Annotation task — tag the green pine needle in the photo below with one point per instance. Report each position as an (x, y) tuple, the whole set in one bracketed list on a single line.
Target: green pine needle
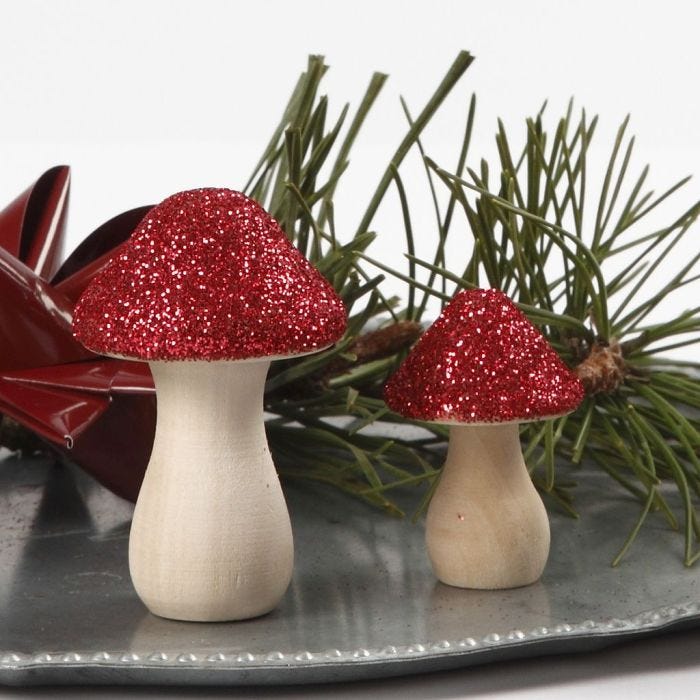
[(537, 231)]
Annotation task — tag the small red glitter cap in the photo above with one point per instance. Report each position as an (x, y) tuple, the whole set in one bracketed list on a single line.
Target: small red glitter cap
[(482, 361), (208, 275)]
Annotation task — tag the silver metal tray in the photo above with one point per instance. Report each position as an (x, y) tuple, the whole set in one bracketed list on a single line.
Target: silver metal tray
[(363, 602)]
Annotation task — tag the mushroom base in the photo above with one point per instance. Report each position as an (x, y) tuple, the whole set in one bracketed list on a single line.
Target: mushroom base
[(486, 526), (211, 538)]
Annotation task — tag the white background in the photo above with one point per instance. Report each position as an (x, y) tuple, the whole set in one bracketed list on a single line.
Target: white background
[(146, 98)]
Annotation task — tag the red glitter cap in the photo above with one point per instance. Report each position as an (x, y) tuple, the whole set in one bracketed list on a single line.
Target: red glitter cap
[(208, 275), (482, 361)]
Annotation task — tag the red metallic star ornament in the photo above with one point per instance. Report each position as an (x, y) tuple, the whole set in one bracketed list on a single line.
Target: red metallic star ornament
[(97, 411)]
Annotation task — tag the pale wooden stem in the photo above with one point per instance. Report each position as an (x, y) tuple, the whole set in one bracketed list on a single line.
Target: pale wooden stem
[(486, 525), (210, 538)]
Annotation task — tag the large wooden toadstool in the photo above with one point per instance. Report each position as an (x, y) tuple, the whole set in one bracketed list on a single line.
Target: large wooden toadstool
[(208, 290), (483, 368)]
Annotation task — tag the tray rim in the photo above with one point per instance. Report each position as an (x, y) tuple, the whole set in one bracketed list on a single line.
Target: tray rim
[(274, 667)]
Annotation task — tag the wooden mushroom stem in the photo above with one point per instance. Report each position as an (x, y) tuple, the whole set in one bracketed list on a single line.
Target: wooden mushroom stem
[(486, 525), (211, 537)]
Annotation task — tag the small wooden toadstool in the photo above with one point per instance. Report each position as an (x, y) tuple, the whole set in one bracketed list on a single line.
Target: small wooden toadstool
[(483, 368), (209, 290)]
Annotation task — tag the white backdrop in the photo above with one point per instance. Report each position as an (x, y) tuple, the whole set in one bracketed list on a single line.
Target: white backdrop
[(146, 98), (143, 98)]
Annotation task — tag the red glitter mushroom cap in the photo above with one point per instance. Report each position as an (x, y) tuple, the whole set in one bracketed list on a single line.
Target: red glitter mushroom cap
[(208, 275), (482, 361)]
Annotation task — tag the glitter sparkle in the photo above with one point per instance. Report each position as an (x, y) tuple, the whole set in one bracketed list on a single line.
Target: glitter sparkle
[(482, 361), (208, 274)]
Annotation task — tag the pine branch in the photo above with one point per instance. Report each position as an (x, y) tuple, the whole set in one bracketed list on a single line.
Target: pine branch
[(638, 424), (531, 225)]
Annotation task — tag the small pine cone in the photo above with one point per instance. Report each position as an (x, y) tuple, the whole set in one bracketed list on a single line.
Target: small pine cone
[(604, 370), (378, 344), (386, 341)]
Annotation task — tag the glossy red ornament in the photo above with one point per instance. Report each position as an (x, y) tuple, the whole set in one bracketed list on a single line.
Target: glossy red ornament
[(97, 411)]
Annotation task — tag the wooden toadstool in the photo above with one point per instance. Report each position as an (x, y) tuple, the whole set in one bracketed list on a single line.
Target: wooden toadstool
[(483, 368), (208, 290)]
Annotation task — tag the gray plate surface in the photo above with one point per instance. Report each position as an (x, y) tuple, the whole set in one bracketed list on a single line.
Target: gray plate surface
[(363, 602)]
